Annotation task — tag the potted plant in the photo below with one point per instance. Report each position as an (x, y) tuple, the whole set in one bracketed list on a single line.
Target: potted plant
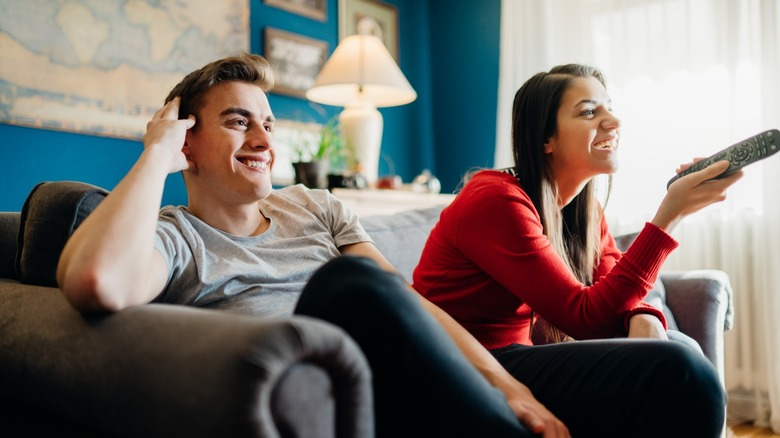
[(313, 162)]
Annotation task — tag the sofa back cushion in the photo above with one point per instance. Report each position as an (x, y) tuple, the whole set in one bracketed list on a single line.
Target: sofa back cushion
[(52, 211), (401, 236)]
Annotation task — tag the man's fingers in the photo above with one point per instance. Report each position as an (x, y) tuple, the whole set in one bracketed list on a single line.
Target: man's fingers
[(169, 111)]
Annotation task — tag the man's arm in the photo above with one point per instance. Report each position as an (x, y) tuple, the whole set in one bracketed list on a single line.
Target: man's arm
[(109, 262), (532, 413)]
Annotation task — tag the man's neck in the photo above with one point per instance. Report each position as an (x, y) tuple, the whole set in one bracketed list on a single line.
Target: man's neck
[(243, 220)]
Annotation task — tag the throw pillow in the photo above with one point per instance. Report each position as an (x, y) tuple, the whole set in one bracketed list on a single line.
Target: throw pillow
[(51, 212)]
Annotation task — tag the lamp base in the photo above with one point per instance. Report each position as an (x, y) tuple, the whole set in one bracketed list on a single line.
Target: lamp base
[(361, 126)]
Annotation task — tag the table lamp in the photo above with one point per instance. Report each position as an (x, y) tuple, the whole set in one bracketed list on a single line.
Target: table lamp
[(361, 75)]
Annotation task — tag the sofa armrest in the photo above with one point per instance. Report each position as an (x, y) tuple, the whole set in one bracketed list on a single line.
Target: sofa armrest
[(702, 304), (164, 370), (9, 230)]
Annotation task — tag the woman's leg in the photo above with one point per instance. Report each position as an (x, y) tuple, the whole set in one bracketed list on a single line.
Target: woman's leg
[(423, 385), (623, 388)]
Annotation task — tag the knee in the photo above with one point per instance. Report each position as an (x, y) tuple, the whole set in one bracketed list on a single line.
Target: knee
[(356, 282), (355, 273), (693, 382)]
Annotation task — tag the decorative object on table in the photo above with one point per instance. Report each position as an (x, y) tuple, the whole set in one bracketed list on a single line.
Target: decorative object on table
[(426, 183), (316, 9), (296, 60), (370, 17), (391, 182), (361, 76), (312, 163), (346, 180)]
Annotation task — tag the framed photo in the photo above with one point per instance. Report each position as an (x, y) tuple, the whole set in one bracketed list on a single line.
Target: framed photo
[(370, 17), (316, 9), (296, 60)]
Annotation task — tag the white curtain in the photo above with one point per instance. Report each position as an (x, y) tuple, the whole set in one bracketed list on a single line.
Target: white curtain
[(687, 78)]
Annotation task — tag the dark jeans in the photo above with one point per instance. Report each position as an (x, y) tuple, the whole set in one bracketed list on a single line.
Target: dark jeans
[(424, 387)]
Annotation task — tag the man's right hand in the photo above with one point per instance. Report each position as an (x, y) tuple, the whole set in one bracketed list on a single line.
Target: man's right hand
[(530, 411), (167, 131)]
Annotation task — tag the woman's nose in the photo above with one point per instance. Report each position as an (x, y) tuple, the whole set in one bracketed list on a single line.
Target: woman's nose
[(611, 121)]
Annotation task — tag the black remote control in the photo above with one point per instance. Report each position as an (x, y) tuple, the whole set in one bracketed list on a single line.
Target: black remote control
[(739, 155)]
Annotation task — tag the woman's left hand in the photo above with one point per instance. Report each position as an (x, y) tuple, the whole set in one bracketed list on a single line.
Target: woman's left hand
[(644, 325)]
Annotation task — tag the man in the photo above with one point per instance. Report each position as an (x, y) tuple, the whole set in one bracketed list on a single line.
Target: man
[(239, 245)]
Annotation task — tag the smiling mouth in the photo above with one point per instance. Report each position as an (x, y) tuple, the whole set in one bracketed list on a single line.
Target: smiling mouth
[(606, 145), (252, 164)]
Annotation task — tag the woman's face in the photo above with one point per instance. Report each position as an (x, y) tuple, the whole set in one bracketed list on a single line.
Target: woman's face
[(586, 141)]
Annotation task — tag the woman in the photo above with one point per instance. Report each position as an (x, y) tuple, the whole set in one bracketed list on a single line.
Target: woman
[(533, 241)]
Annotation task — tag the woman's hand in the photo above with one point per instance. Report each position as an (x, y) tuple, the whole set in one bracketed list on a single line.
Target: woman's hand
[(693, 192), (166, 131), (644, 325)]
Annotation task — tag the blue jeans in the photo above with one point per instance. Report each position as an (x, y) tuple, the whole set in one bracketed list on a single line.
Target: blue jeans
[(424, 386)]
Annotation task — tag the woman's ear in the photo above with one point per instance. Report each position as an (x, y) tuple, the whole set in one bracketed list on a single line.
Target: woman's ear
[(549, 145)]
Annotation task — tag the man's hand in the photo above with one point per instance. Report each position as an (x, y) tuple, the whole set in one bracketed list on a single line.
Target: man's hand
[(644, 325), (531, 413), (167, 131)]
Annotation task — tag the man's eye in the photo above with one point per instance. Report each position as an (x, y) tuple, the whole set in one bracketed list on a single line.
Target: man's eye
[(269, 128), (238, 122)]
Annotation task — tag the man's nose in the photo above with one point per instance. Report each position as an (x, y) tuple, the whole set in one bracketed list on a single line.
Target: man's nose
[(261, 138)]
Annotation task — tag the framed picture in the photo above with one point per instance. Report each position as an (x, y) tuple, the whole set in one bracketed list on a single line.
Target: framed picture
[(296, 60), (316, 9), (370, 17)]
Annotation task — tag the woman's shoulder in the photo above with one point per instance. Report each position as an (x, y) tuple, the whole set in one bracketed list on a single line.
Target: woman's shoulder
[(487, 184)]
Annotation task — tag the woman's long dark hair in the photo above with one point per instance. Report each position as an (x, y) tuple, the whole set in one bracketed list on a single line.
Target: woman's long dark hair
[(574, 231)]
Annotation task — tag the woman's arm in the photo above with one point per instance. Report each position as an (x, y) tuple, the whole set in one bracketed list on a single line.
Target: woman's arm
[(110, 262)]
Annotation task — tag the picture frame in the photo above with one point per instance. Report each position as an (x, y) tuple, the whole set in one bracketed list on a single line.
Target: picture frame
[(370, 17), (295, 59), (316, 9)]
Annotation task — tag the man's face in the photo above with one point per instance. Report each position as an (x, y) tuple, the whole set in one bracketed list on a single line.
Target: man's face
[(232, 144)]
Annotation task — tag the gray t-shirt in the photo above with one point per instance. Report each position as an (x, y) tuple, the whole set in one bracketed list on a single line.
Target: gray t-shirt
[(261, 275)]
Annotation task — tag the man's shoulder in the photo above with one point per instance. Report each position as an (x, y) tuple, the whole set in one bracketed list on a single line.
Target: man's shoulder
[(298, 194)]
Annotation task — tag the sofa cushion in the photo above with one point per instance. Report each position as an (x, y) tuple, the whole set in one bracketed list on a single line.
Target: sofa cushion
[(51, 212), (401, 236)]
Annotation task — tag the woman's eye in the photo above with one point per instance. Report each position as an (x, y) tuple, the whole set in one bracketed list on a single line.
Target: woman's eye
[(588, 112)]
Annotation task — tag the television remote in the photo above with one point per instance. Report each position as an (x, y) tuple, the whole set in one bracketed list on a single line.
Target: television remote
[(739, 155)]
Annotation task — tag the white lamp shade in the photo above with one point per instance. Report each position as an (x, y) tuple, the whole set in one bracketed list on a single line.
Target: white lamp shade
[(361, 69)]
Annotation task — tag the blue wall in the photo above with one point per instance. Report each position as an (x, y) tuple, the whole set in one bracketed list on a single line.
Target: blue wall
[(465, 40), (448, 51)]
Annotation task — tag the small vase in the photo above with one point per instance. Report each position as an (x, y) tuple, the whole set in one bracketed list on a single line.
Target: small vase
[(312, 174)]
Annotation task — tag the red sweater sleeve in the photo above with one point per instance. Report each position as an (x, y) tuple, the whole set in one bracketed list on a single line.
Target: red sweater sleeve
[(488, 262)]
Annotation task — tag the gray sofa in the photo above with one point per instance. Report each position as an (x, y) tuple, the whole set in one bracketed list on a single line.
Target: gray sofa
[(165, 370)]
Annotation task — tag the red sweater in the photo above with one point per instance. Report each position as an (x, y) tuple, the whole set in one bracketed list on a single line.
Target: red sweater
[(487, 263)]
